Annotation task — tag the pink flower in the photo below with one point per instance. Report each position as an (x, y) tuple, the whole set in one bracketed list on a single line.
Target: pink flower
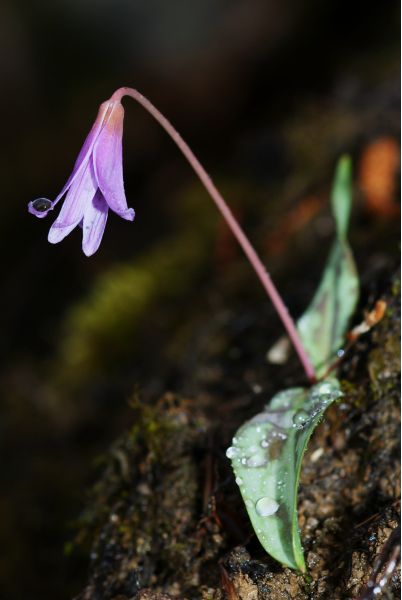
[(94, 186)]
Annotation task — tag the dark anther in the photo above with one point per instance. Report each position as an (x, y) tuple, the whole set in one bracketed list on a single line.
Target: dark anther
[(42, 204)]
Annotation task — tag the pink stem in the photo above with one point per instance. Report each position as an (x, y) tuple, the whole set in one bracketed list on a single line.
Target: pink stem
[(237, 231)]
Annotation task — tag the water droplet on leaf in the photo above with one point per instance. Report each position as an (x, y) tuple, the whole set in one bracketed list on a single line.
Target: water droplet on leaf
[(232, 452), (300, 419), (266, 506), (325, 388), (258, 460)]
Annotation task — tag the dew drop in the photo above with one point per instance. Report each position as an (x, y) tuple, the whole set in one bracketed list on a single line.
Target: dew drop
[(258, 460), (279, 434), (300, 419), (325, 388), (42, 204), (232, 452), (239, 480), (266, 506)]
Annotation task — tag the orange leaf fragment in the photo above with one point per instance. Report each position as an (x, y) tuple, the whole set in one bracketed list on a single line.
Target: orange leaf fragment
[(378, 174)]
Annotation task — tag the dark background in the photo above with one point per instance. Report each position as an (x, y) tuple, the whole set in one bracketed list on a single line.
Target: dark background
[(268, 93)]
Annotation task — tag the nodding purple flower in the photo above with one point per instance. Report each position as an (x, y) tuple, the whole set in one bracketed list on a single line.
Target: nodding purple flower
[(94, 186)]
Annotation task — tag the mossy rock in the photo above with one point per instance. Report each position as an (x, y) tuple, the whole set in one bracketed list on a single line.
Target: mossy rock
[(166, 521)]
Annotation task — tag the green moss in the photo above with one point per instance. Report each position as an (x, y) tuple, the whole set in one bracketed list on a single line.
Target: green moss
[(353, 394), (396, 287), (145, 504), (110, 317)]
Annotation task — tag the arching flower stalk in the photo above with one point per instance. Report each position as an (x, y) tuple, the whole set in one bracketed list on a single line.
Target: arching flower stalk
[(96, 184)]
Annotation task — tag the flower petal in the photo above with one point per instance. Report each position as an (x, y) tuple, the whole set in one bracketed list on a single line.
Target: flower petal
[(80, 194), (87, 148), (95, 217), (108, 163)]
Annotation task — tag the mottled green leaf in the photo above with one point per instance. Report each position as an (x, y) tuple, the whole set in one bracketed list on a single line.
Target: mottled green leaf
[(266, 457), (323, 326), (267, 451)]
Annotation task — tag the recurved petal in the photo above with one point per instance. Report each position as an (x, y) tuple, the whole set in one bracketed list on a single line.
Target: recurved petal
[(108, 162), (93, 226), (80, 194), (87, 148)]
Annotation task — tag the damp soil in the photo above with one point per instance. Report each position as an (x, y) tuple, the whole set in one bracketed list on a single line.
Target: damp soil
[(165, 518)]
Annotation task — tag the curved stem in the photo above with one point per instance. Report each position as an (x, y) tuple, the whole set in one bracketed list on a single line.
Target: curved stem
[(237, 231)]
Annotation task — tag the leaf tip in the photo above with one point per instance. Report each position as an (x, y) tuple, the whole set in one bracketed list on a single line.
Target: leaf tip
[(342, 194), (344, 166)]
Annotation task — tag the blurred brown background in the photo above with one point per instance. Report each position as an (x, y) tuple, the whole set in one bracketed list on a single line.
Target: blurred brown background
[(268, 93)]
